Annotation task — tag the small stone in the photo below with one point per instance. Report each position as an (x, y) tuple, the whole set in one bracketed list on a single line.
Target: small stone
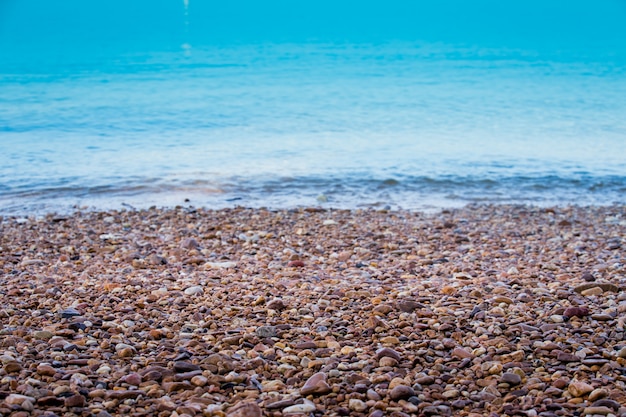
[(184, 366), (598, 394), (622, 353), (43, 335), (357, 405), (190, 243), (390, 340), (383, 309), (576, 312), (425, 380), (511, 378), (373, 395), (408, 306), (304, 408), (69, 313), (75, 401), (316, 384), (605, 402), (245, 410), (280, 404), (266, 331), (588, 277), (401, 392), (459, 352), (451, 394), (199, 380), (556, 318), (387, 361), (296, 264), (567, 357), (132, 379), (276, 304), (195, 290), (592, 291), (579, 388), (597, 410), (18, 399), (387, 352), (12, 366)]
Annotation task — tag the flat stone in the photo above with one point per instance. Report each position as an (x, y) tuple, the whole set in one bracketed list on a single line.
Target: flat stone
[(388, 352), (408, 306), (194, 290), (18, 399), (266, 331), (357, 405), (606, 402), (246, 409), (461, 353), (43, 335), (184, 366), (280, 404), (69, 313), (12, 366), (304, 408), (511, 378), (576, 312), (603, 411), (567, 357)]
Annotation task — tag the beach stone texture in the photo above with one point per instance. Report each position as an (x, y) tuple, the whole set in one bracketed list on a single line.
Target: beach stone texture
[(478, 311)]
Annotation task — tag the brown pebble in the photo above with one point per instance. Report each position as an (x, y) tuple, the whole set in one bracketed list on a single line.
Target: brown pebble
[(75, 401), (387, 352), (182, 366), (461, 353), (579, 388), (46, 370), (401, 392), (316, 384), (511, 378), (576, 312), (12, 366), (246, 409)]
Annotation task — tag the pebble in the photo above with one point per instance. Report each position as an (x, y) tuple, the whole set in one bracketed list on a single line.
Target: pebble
[(304, 408), (357, 405), (75, 401), (266, 331), (195, 290), (18, 399), (389, 353), (246, 409), (69, 313), (316, 384), (579, 388), (461, 353), (597, 410), (511, 378), (43, 335), (401, 392)]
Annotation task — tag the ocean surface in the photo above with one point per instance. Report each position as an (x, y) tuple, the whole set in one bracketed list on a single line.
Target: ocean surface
[(139, 103)]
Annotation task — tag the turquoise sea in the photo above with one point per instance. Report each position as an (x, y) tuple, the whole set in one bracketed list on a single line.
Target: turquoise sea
[(120, 104)]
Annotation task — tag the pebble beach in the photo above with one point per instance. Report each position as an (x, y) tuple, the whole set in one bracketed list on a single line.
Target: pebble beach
[(487, 310)]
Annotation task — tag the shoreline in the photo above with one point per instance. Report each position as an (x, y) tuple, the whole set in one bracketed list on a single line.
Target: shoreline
[(506, 309)]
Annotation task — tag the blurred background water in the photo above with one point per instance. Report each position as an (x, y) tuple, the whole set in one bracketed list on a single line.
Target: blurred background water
[(405, 104)]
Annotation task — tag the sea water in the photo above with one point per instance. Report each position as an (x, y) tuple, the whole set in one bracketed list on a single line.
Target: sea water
[(133, 104)]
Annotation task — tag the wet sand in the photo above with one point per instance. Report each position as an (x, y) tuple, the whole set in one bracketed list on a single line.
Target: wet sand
[(485, 310)]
